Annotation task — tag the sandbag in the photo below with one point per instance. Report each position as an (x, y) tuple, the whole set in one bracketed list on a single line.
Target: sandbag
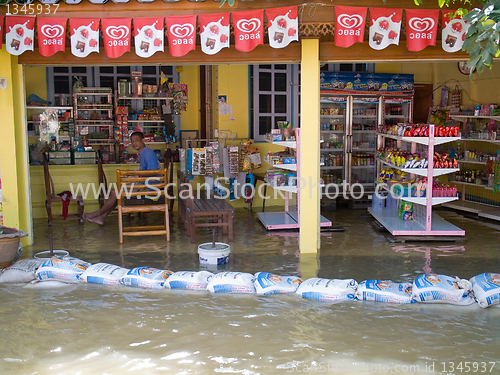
[(435, 288), (51, 284), (189, 280), (267, 283), (22, 271), (384, 291), (231, 282), (331, 290), (67, 269), (146, 277), (486, 287), (103, 273)]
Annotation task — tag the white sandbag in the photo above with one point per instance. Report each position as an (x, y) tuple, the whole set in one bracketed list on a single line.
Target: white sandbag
[(384, 291), (146, 277), (22, 271), (486, 287), (331, 290), (189, 280), (47, 284), (266, 283), (67, 269), (435, 288), (103, 273), (231, 282)]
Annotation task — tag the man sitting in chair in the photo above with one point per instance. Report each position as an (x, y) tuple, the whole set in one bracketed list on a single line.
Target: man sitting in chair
[(148, 161)]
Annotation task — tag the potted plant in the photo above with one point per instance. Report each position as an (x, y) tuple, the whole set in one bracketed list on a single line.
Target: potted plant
[(286, 129)]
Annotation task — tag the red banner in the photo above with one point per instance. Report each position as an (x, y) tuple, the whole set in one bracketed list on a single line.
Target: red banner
[(385, 27), (214, 32), (181, 31), (19, 34), (421, 28), (1, 29), (283, 26), (51, 35), (84, 36), (248, 29), (349, 25), (116, 36), (148, 36), (454, 31)]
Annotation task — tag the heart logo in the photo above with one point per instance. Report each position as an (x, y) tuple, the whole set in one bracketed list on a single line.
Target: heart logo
[(248, 26), (350, 21), (182, 31), (117, 32), (421, 24), (52, 31)]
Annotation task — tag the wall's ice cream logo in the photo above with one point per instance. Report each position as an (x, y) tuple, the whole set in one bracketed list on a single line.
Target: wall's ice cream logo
[(421, 28), (52, 31), (250, 28), (183, 34), (350, 21), (118, 33), (116, 36)]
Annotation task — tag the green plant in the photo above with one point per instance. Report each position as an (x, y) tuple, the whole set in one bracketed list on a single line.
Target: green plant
[(230, 2)]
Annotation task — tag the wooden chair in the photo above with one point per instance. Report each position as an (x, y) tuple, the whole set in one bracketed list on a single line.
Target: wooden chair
[(168, 163), (103, 181), (51, 195), (132, 185)]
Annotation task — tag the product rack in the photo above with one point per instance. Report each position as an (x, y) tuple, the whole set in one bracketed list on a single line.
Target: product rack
[(425, 224), (288, 219)]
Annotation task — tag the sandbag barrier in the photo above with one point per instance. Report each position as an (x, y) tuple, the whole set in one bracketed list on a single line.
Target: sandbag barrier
[(483, 289)]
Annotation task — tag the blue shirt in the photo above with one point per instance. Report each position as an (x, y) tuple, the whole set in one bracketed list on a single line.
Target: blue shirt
[(148, 160)]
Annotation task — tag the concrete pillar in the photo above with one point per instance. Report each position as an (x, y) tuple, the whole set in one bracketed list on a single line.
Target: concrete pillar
[(309, 148), (14, 148)]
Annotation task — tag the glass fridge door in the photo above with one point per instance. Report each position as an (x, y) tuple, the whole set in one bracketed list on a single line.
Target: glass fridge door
[(332, 137), (362, 141)]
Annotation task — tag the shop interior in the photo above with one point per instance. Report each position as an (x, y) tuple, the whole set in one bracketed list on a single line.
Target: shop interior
[(267, 99)]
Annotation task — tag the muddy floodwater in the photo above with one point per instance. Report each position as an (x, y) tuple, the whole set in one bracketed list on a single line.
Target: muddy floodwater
[(94, 329)]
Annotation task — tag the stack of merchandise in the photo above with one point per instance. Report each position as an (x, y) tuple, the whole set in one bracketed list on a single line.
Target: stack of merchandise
[(419, 130), (279, 177), (122, 135)]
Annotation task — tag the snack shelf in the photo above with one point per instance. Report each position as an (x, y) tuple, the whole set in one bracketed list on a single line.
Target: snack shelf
[(363, 166), (421, 140), (481, 140), (145, 98), (145, 121), (421, 171), (332, 131), (38, 121), (332, 168), (464, 118), (394, 116), (331, 149), (49, 107), (290, 167), (291, 189), (331, 116), (288, 219), (363, 149), (470, 184), (426, 223), (95, 122), (100, 107), (363, 131), (471, 162), (364, 116)]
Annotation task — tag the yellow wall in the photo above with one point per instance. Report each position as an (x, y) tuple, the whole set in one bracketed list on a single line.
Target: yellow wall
[(36, 81)]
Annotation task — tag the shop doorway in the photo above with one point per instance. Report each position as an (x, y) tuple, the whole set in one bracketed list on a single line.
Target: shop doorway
[(423, 99)]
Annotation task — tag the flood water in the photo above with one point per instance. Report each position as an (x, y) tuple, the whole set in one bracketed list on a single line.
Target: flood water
[(94, 329)]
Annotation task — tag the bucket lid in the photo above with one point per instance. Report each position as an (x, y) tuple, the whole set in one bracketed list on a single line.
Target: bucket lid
[(46, 254), (218, 246)]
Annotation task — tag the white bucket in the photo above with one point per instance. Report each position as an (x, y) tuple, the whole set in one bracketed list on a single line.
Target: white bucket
[(46, 254), (214, 255)]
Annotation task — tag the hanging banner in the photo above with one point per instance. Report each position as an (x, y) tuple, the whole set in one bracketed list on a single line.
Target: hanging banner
[(51, 35), (148, 36), (1, 29), (214, 32), (385, 27), (282, 26), (116, 36), (421, 28), (19, 34), (453, 33), (181, 31), (84, 36), (248, 29), (349, 25)]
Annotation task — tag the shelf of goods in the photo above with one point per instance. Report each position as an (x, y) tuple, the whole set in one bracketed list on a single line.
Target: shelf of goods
[(99, 102), (65, 130), (425, 223), (288, 219)]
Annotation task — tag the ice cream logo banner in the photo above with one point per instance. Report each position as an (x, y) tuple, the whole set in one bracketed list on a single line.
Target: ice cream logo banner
[(421, 28), (84, 37), (181, 34), (283, 25), (116, 36), (148, 36), (214, 32), (385, 27), (1, 29), (51, 35), (349, 25), (454, 31), (19, 34), (248, 29)]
